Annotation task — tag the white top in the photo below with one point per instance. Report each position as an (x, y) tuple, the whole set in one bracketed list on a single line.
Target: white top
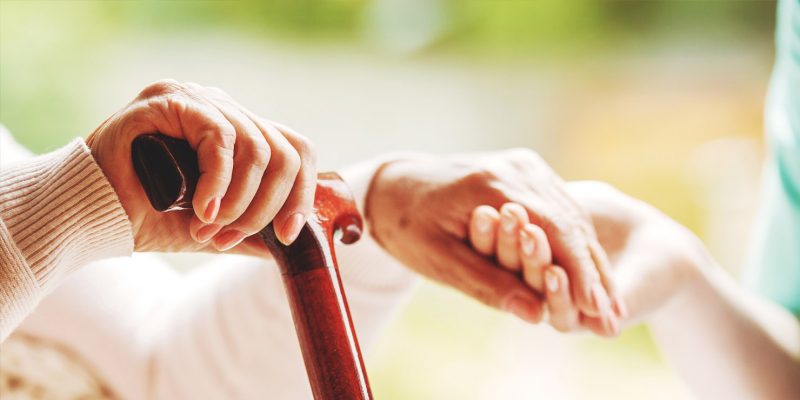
[(220, 331)]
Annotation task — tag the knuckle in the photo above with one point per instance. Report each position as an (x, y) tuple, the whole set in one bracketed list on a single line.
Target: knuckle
[(306, 149), (224, 136), (160, 88), (256, 154), (291, 162)]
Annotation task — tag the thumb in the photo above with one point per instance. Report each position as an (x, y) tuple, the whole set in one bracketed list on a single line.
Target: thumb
[(482, 280)]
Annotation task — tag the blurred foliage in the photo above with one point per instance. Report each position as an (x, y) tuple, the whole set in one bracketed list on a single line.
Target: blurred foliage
[(41, 40)]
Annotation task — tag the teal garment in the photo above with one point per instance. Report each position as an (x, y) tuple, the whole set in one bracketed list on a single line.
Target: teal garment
[(774, 269)]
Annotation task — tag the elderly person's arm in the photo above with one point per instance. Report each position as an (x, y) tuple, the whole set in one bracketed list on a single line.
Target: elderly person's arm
[(57, 212), (222, 330), (83, 202)]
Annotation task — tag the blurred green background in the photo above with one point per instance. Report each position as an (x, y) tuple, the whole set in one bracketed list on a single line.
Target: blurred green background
[(661, 98)]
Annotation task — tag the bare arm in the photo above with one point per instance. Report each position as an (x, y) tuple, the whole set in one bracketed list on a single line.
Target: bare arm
[(729, 343), (725, 341)]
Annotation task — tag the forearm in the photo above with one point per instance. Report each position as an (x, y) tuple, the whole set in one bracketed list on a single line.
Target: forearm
[(57, 213), (729, 343)]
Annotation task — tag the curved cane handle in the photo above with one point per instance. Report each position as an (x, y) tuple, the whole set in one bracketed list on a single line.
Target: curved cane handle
[(167, 169)]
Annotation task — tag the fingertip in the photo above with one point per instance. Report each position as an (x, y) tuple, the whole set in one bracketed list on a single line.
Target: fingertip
[(484, 219), (483, 229), (512, 215), (508, 222), (291, 228), (517, 210), (552, 281), (211, 210)]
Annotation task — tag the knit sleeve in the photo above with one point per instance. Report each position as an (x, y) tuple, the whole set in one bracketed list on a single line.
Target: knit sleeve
[(57, 213)]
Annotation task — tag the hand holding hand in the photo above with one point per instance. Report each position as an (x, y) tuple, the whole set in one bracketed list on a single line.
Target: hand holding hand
[(419, 210), (510, 240), (653, 257)]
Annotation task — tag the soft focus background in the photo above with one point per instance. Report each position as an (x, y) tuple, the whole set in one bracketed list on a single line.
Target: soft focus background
[(661, 98)]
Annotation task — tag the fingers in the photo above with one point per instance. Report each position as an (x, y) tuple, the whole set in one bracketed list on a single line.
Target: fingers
[(250, 159), (483, 229), (299, 205), (274, 177), (571, 250), (564, 316), (535, 254), (512, 217), (273, 190), (493, 286)]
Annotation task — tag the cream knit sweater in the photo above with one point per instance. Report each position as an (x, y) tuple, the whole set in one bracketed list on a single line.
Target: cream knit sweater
[(221, 331)]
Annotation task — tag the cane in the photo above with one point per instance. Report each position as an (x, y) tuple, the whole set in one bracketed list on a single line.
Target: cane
[(167, 169)]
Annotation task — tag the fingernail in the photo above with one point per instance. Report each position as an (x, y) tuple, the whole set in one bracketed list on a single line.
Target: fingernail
[(225, 240), (520, 306), (292, 227), (483, 223), (508, 222), (551, 281), (526, 243), (205, 233), (212, 210)]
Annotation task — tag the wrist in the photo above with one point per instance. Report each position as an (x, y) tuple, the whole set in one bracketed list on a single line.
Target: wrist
[(390, 191), (698, 273), (62, 213)]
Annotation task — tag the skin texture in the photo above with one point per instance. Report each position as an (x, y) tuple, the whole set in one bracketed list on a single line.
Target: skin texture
[(517, 245), (692, 306), (252, 171), (419, 211)]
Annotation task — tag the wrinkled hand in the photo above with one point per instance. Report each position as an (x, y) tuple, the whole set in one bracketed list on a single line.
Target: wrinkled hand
[(419, 211), (655, 257), (506, 236), (252, 171)]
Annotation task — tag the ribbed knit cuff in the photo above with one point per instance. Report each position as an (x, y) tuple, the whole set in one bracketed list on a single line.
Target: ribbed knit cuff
[(62, 213)]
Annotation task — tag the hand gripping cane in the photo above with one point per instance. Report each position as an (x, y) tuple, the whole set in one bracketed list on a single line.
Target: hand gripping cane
[(167, 169)]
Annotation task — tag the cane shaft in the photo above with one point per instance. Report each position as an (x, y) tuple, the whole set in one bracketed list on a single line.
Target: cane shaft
[(167, 169)]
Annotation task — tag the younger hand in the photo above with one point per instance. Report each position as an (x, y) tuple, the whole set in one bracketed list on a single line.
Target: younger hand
[(252, 171), (521, 247)]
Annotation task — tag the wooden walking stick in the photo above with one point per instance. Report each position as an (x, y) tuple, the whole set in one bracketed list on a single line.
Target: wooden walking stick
[(167, 169)]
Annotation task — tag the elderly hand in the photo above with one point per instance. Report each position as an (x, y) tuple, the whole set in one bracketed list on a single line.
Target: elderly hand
[(252, 171), (419, 211)]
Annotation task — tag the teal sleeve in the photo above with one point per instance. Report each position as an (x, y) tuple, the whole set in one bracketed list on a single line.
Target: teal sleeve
[(774, 268)]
